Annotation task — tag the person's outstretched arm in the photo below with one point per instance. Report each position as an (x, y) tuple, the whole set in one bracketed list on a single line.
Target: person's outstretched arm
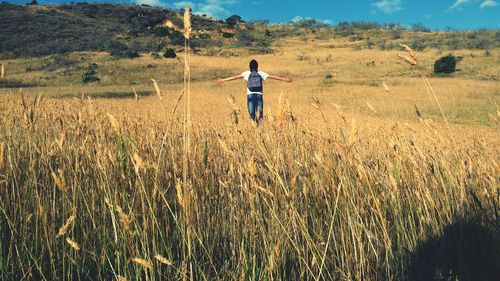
[(279, 78), (220, 81)]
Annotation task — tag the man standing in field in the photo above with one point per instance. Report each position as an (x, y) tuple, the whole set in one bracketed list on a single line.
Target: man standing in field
[(255, 79)]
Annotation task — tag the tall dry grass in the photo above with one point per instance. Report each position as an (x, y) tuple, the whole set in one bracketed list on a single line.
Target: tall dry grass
[(89, 190), (281, 201)]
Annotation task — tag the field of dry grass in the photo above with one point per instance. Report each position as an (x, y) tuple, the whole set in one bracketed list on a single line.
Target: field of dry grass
[(342, 181)]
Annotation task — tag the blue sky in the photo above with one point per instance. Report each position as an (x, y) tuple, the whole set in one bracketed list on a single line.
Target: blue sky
[(460, 14)]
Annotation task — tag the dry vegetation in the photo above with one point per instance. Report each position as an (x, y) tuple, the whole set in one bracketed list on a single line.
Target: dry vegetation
[(343, 181)]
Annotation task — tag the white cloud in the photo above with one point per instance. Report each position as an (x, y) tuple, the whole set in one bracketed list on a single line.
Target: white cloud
[(154, 3), (489, 4), (458, 4), (183, 4), (324, 21), (214, 8), (388, 6)]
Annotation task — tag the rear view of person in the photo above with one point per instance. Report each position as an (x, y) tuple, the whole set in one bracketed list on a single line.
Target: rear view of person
[(255, 88)]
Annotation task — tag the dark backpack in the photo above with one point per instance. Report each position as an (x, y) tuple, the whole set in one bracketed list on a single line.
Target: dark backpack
[(255, 82)]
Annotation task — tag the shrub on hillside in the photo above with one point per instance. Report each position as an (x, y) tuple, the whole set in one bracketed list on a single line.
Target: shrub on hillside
[(203, 43), (155, 55), (176, 38), (125, 54), (245, 38), (446, 64), (419, 44), (170, 53), (161, 32), (233, 20), (90, 75)]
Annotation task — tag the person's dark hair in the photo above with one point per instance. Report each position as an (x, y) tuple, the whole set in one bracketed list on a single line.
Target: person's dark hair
[(254, 65)]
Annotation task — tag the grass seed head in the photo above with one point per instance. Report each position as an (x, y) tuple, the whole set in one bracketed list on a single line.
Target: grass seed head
[(251, 167), (187, 23), (163, 260), (73, 244), (408, 60), (114, 123), (66, 226), (158, 91), (124, 219), (144, 263), (371, 107), (2, 149), (59, 180), (180, 196), (386, 88)]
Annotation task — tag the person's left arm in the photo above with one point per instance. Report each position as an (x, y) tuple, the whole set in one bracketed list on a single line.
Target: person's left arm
[(279, 78), (236, 77)]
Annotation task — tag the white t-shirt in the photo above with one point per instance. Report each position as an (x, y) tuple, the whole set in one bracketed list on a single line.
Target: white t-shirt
[(246, 75)]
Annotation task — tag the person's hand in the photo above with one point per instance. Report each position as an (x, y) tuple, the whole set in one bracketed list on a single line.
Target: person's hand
[(288, 80), (219, 81)]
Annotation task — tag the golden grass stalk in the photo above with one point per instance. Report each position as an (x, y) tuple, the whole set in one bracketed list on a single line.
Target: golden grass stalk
[(187, 23), (120, 278), (224, 146), (61, 140), (2, 149), (59, 181), (66, 226), (281, 114), (430, 90), (186, 127), (144, 263), (2, 71), (232, 101), (411, 53), (136, 95), (138, 163), (371, 107), (386, 88), (180, 196), (163, 260), (114, 123), (251, 167), (73, 244), (236, 110), (158, 91), (124, 219), (409, 60)]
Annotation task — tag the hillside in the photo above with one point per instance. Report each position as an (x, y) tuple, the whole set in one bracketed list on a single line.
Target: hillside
[(29, 31), (42, 30)]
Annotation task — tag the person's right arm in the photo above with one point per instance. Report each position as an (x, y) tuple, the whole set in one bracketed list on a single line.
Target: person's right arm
[(220, 81)]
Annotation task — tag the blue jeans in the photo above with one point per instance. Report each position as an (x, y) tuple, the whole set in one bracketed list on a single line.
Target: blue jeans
[(255, 102)]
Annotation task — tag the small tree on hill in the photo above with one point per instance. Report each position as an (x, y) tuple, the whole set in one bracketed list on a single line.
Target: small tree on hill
[(420, 27), (170, 53), (90, 75), (233, 20), (446, 64)]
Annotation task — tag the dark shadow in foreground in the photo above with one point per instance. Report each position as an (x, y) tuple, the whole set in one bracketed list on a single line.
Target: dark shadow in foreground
[(465, 251)]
